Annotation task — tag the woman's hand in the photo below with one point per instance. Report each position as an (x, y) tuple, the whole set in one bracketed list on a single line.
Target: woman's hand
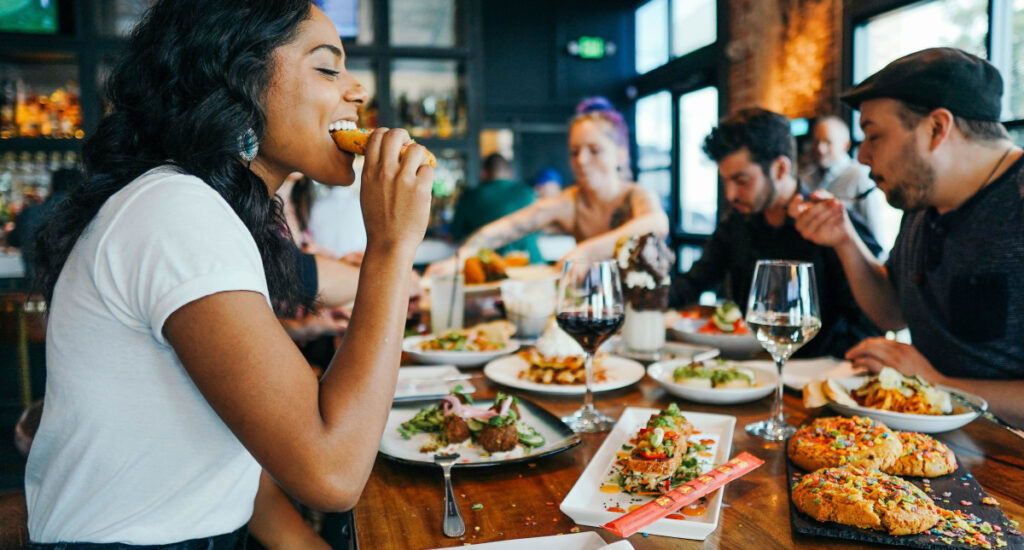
[(875, 353), (395, 192)]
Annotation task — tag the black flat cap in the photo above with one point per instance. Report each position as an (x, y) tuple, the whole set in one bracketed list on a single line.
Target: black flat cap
[(965, 84)]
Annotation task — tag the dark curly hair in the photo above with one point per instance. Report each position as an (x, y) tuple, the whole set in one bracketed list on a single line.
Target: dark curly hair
[(190, 81), (764, 133)]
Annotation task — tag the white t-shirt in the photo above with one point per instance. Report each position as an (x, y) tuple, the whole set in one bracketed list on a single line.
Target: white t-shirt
[(128, 450)]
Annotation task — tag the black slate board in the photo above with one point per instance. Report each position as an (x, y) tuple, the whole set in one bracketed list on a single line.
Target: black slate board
[(961, 485)]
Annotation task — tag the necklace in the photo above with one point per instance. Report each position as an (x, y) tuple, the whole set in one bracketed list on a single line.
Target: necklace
[(988, 178)]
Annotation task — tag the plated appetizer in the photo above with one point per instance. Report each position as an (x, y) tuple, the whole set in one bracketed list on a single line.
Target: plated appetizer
[(714, 374), (485, 267), (661, 456), (727, 319), (557, 359), (491, 336), (455, 420), (840, 441)]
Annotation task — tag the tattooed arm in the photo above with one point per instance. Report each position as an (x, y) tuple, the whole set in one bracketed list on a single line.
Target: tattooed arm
[(516, 225), (648, 217)]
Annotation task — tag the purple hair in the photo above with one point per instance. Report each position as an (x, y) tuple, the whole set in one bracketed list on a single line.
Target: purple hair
[(599, 108)]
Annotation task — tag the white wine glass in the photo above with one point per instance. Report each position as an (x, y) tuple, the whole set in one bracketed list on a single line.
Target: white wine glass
[(782, 310), (590, 309)]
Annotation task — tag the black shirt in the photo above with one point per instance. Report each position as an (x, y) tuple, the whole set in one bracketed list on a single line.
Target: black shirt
[(741, 240)]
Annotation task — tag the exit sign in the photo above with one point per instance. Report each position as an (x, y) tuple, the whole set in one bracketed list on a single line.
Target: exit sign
[(591, 47)]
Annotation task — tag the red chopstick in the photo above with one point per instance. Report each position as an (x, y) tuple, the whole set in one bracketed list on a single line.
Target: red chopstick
[(675, 499)]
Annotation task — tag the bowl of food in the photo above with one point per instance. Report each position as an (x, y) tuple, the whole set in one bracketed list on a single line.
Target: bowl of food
[(715, 381), (723, 329), (901, 402)]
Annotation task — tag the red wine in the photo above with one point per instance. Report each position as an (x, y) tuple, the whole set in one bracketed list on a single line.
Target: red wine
[(587, 330)]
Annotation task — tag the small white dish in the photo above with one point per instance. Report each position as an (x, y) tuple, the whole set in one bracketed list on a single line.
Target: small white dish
[(423, 382), (671, 350), (735, 346), (586, 504), (532, 272), (765, 382), (924, 423), (458, 358), (619, 373), (796, 373)]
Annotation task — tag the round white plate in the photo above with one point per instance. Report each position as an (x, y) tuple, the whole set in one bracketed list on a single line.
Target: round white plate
[(764, 371), (458, 358), (619, 373), (738, 346), (924, 423)]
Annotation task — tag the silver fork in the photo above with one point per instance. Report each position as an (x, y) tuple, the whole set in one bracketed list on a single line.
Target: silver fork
[(453, 525)]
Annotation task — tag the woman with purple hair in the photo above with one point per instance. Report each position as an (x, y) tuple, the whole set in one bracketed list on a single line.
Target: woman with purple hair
[(604, 205)]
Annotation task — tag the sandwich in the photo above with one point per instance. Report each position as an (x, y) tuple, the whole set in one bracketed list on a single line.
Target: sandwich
[(353, 140)]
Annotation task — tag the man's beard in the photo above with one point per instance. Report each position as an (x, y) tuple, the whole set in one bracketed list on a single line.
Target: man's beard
[(917, 184)]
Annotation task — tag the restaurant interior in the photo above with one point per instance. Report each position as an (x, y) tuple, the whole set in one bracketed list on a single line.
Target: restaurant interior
[(468, 79)]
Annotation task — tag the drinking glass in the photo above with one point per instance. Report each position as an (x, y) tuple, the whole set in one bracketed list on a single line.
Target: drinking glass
[(782, 310), (590, 309)]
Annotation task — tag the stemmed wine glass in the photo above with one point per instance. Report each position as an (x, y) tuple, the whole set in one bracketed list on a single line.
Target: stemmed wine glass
[(783, 313), (590, 309)]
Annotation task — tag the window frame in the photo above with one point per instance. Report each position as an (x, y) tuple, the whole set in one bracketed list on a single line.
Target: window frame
[(701, 68), (857, 13)]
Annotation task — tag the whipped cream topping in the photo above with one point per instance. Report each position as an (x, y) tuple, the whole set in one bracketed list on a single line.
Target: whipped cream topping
[(556, 343)]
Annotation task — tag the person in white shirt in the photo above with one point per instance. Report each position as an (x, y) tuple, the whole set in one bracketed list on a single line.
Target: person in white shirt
[(170, 382), (834, 171)]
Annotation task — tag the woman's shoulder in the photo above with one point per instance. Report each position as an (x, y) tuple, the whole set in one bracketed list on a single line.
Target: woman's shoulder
[(167, 188)]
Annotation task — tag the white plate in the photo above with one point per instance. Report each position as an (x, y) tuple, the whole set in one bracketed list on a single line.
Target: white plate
[(765, 381), (458, 358), (736, 346), (619, 373), (671, 350), (572, 541), (558, 437), (924, 423), (586, 504), (798, 372), (421, 382)]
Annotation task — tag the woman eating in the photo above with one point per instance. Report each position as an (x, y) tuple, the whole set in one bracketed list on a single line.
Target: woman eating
[(170, 382)]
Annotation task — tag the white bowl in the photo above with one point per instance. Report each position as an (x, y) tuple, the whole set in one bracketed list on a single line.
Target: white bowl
[(765, 381), (736, 346), (458, 358), (924, 423)]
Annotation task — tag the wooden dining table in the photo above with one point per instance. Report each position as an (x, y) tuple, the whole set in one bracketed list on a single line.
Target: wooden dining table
[(401, 506)]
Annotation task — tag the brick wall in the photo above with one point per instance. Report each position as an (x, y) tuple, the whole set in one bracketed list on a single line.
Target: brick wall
[(785, 55)]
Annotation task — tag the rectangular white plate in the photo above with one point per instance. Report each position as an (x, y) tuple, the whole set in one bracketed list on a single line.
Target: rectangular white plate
[(422, 382), (586, 504)]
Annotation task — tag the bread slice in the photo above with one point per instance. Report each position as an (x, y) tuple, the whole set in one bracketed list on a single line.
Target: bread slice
[(814, 395), (836, 392)]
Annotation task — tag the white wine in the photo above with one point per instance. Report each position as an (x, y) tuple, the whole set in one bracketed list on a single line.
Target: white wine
[(780, 336)]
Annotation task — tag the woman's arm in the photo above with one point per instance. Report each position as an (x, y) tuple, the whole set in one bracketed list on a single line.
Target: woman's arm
[(317, 438), (648, 217)]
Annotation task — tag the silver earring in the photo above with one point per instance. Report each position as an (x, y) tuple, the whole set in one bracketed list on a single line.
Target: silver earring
[(248, 145)]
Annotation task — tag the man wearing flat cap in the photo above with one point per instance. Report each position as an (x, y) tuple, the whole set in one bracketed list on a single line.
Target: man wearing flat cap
[(955, 277)]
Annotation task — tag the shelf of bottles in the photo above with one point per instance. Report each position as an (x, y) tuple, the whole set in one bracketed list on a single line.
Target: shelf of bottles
[(25, 178), (40, 100), (449, 179), (429, 97)]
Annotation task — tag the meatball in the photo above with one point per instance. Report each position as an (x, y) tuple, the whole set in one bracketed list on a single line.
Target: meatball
[(455, 429), (498, 438)]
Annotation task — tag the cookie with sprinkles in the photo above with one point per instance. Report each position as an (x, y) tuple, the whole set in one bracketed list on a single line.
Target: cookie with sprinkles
[(922, 456), (839, 441), (867, 499)]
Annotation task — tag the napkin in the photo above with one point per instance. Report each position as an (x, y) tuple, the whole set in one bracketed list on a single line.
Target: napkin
[(421, 382)]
